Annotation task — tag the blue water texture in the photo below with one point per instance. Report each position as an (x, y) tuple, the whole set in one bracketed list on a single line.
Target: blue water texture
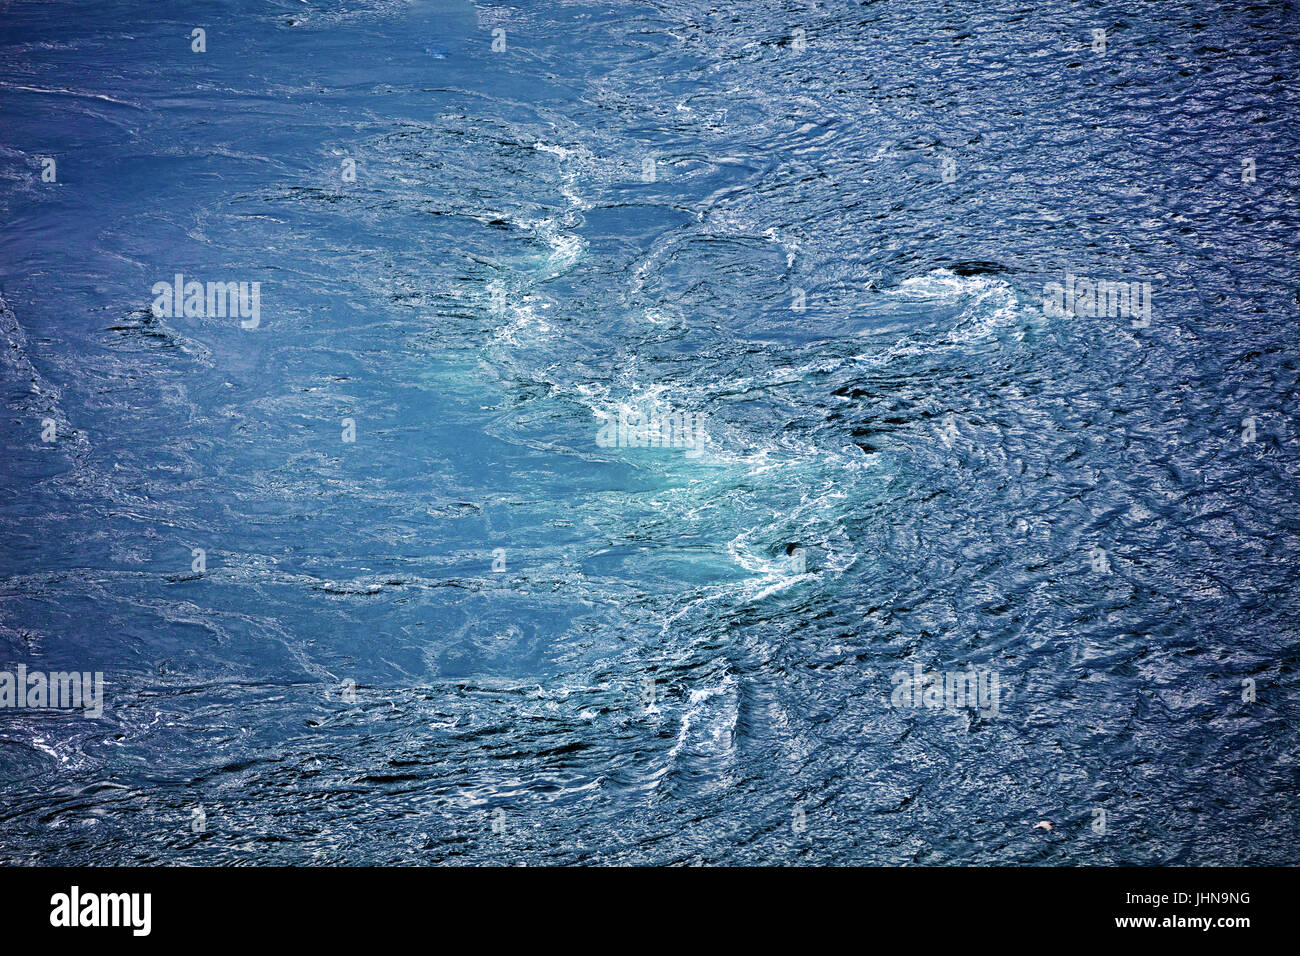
[(368, 584)]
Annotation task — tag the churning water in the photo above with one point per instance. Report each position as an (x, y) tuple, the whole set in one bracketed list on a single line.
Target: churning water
[(624, 404)]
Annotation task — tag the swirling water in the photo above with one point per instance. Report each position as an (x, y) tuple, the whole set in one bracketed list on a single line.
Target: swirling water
[(477, 634)]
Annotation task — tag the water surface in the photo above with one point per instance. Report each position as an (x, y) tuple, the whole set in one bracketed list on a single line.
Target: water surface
[(822, 230)]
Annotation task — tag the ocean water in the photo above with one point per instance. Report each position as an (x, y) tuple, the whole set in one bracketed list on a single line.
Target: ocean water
[(385, 571)]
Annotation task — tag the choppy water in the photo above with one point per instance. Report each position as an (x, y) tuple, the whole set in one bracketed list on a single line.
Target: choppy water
[(688, 654)]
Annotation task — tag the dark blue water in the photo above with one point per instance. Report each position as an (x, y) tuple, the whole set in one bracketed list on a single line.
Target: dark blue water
[(819, 235)]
